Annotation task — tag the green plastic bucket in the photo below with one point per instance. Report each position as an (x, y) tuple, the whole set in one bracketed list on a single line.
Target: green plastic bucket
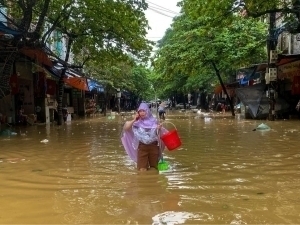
[(163, 165)]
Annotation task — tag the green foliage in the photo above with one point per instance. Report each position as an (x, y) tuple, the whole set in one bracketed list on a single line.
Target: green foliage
[(111, 73), (188, 49), (221, 13), (93, 25), (140, 77), (122, 73), (107, 38)]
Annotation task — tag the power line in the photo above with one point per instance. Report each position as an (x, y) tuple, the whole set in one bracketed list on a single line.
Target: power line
[(162, 8), (167, 11), (160, 13)]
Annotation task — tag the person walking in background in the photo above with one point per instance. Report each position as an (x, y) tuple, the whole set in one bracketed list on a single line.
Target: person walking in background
[(223, 108), (140, 139), (22, 118), (298, 108), (161, 111), (65, 113)]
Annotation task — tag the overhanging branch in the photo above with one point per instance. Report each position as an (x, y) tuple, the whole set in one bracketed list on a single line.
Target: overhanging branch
[(275, 10)]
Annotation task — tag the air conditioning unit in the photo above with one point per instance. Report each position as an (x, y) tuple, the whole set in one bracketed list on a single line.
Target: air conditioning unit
[(273, 74), (273, 56)]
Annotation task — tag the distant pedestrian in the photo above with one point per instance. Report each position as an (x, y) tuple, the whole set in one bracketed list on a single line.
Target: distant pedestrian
[(65, 113), (223, 107), (161, 111), (298, 108)]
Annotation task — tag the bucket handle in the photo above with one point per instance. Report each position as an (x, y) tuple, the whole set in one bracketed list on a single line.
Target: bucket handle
[(170, 123)]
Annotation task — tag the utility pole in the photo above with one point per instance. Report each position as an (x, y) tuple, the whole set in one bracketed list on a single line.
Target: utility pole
[(271, 75)]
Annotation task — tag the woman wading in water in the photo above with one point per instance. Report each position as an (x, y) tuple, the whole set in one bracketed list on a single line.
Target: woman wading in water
[(141, 139)]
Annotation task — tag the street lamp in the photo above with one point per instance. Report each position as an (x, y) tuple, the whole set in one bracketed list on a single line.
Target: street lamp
[(118, 98)]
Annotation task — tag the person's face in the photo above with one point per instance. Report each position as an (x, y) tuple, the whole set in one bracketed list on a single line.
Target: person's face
[(142, 113)]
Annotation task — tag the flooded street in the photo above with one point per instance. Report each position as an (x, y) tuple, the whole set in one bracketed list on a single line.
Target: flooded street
[(224, 173)]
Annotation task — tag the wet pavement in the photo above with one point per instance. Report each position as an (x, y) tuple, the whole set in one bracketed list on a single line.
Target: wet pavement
[(224, 173)]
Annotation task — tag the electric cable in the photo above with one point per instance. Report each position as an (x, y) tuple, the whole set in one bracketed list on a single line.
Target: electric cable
[(160, 13), (165, 11), (161, 8)]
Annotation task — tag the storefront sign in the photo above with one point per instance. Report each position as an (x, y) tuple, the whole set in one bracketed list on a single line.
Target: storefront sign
[(289, 70)]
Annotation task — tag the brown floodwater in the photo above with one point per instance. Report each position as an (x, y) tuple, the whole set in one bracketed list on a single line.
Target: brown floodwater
[(224, 173)]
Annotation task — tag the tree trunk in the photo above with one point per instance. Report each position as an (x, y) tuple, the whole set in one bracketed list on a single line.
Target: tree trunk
[(61, 83), (41, 21), (105, 103), (60, 97), (223, 87), (26, 20), (271, 45), (64, 16)]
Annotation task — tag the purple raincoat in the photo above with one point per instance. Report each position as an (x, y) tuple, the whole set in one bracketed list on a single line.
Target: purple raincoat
[(130, 142)]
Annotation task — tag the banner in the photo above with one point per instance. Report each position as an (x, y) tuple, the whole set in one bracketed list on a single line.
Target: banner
[(51, 87), (40, 84), (296, 85), (289, 70), (14, 84)]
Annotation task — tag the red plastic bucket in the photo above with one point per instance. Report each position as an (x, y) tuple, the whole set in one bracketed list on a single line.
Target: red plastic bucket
[(171, 140)]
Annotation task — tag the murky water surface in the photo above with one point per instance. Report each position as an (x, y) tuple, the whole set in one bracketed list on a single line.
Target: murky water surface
[(224, 173)]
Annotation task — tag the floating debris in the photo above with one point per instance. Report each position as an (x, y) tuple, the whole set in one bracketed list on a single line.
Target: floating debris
[(7, 132), (262, 126)]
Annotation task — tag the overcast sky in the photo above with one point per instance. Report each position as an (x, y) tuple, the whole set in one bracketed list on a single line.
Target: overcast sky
[(159, 15)]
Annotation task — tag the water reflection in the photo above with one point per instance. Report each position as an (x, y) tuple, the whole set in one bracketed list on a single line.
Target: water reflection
[(223, 173)]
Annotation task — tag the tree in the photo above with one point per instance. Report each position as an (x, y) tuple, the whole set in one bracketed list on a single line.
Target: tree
[(195, 49), (140, 77), (112, 71), (91, 28), (223, 11)]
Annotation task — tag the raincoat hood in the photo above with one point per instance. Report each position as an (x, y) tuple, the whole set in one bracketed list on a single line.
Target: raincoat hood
[(149, 121), (130, 143)]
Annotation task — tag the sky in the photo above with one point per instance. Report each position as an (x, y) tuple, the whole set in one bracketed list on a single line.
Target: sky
[(160, 14)]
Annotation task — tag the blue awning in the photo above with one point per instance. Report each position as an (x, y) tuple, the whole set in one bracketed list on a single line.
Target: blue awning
[(7, 30), (95, 85)]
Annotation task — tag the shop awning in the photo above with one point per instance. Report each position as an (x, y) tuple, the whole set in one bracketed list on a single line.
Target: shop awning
[(258, 103), (38, 55), (95, 85), (6, 30), (77, 82)]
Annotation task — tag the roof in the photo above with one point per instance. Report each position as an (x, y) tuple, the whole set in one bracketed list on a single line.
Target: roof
[(37, 54), (285, 59)]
